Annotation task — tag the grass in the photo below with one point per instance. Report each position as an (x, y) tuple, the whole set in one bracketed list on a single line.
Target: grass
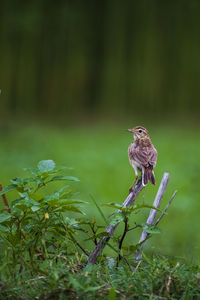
[(99, 158), (156, 278)]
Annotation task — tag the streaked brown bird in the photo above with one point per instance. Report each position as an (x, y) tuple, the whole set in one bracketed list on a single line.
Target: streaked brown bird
[(142, 155)]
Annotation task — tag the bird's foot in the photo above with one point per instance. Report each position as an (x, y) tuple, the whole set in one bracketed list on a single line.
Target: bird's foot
[(131, 189), (132, 185)]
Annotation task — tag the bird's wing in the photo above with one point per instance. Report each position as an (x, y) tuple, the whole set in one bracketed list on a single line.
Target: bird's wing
[(152, 156), (145, 156)]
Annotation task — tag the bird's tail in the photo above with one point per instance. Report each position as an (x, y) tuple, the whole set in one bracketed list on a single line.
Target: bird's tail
[(148, 175)]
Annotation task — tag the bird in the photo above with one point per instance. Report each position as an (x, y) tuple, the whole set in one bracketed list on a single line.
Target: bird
[(142, 155)]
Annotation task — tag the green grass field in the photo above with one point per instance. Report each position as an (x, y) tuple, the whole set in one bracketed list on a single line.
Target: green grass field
[(98, 156)]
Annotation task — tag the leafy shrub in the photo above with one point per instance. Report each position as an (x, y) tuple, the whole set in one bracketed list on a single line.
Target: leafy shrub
[(35, 226)]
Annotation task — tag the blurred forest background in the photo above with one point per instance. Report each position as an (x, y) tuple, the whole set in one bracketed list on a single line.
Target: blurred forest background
[(82, 57), (75, 74)]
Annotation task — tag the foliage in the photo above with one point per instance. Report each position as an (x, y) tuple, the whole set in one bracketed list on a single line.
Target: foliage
[(43, 249), (34, 226)]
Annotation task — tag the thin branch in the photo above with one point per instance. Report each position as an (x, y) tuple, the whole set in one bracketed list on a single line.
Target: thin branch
[(111, 228), (122, 239), (5, 200), (152, 214), (136, 226), (77, 243), (84, 251), (170, 201), (124, 258), (94, 232)]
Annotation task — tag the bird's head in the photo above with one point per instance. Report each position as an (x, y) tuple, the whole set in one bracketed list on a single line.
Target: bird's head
[(139, 132)]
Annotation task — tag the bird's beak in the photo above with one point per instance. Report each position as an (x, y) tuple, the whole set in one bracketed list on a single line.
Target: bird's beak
[(130, 130)]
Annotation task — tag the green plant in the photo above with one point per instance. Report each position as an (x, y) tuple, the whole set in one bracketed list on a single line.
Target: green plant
[(157, 278), (43, 247), (36, 226)]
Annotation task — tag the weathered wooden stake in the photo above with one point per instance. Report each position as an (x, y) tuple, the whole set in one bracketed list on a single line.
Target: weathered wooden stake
[(152, 214), (128, 202), (150, 220)]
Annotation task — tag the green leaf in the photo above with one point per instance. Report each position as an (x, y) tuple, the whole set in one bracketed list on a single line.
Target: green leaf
[(35, 208), (8, 188), (32, 201), (117, 219), (72, 222), (69, 178), (56, 195), (130, 209), (16, 212), (92, 288), (24, 203), (37, 197), (38, 181), (66, 195), (136, 207), (16, 181), (21, 206), (46, 166), (115, 205), (24, 195), (63, 202), (4, 217), (3, 228), (69, 208), (28, 180), (67, 202), (14, 202), (152, 229), (27, 199)]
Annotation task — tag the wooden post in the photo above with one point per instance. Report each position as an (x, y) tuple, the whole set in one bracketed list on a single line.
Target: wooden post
[(153, 213)]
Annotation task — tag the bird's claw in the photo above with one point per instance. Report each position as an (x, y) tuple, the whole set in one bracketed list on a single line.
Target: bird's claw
[(130, 190)]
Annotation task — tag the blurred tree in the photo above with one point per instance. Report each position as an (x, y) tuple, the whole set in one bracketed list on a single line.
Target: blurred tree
[(95, 56)]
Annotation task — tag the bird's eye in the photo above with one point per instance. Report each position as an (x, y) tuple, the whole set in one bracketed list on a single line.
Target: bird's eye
[(140, 130)]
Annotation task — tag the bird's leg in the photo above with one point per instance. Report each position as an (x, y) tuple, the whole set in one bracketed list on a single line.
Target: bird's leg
[(132, 185)]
